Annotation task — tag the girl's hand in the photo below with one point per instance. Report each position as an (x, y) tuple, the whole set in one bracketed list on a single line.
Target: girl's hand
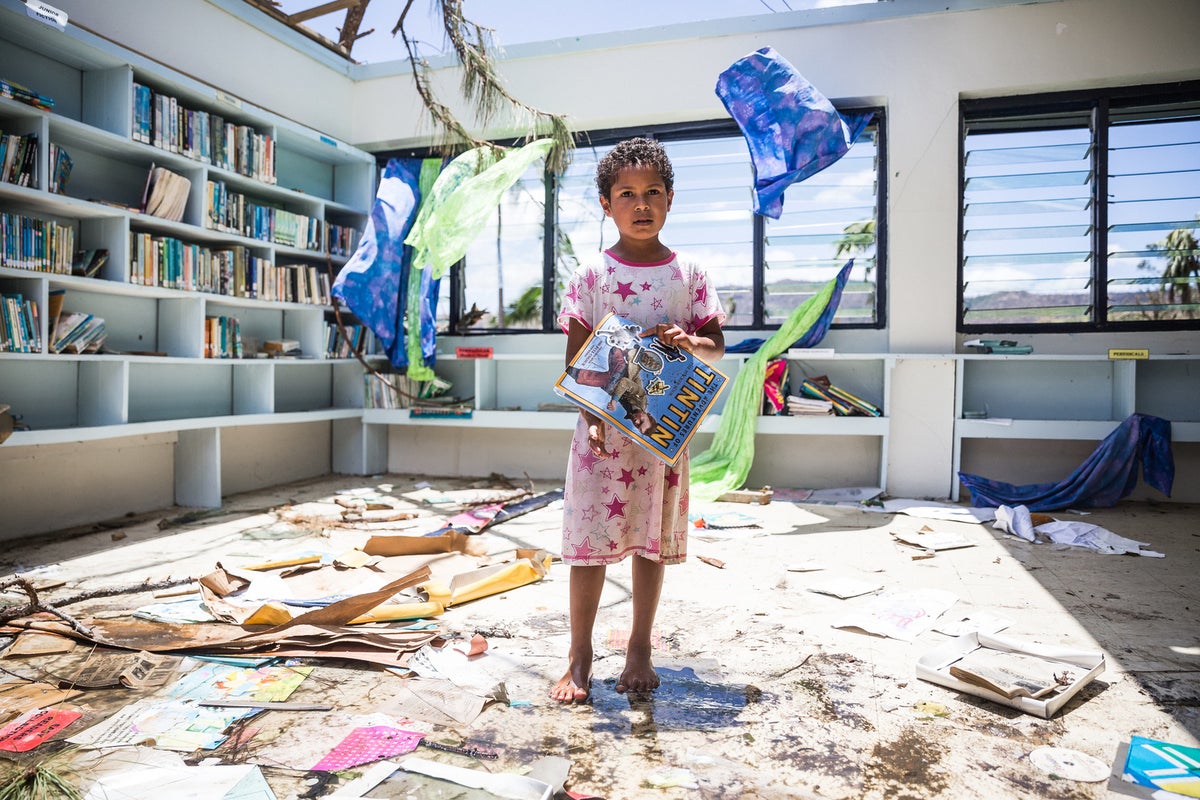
[(671, 334), (596, 431)]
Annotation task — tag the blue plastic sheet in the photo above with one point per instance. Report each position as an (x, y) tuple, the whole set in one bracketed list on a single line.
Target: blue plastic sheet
[(1108, 475), (792, 130)]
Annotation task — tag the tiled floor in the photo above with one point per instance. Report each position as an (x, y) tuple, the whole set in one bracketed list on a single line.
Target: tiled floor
[(778, 702)]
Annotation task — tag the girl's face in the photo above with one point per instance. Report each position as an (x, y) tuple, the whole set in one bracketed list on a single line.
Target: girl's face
[(638, 203)]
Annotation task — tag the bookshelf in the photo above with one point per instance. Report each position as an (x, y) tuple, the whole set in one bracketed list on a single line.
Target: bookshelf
[(313, 190), (1066, 398), (507, 389)]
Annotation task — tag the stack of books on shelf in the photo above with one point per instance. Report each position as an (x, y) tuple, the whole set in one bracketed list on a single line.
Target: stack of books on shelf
[(162, 121), (808, 406), (36, 244), (222, 337), (18, 158), (357, 339), (20, 329), (60, 168), (843, 403), (22, 94), (166, 194), (78, 332)]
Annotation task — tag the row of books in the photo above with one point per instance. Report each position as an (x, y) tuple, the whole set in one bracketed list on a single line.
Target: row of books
[(166, 123), (36, 244), (357, 339), (392, 390), (231, 271), (222, 337), (23, 94), (233, 212), (18, 158), (841, 401), (20, 327)]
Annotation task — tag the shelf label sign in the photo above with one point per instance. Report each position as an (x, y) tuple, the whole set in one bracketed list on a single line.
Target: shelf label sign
[(46, 13), (1128, 352), (472, 352)]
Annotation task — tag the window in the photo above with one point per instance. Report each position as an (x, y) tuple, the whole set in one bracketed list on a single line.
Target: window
[(1080, 211), (762, 268)]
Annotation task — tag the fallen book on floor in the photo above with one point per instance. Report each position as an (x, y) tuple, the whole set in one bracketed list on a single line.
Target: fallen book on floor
[(976, 655), (1155, 769), (1014, 674), (655, 394)]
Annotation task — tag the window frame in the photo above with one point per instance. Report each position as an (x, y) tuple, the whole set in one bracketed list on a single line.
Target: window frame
[(682, 131), (1097, 103)]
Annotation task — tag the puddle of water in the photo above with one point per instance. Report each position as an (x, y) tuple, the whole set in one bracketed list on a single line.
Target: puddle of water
[(682, 701)]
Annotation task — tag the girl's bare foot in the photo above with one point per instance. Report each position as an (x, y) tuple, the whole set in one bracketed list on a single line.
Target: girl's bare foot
[(639, 674), (576, 685)]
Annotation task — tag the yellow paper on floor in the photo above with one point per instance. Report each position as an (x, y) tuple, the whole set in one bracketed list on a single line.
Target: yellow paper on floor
[(530, 566)]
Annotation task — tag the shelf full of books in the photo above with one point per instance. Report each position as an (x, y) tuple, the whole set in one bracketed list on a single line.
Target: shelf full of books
[(166, 249)]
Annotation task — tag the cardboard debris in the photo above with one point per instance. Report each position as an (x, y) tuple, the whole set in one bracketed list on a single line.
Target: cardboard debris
[(17, 698), (501, 784), (935, 665), (929, 540)]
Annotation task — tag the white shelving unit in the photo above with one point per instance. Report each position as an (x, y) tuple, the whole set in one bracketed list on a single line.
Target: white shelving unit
[(1071, 397), (78, 398), (507, 388)]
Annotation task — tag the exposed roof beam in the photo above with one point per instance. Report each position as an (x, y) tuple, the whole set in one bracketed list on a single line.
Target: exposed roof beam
[(321, 10)]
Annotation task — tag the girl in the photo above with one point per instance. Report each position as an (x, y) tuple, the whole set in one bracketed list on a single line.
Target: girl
[(621, 500)]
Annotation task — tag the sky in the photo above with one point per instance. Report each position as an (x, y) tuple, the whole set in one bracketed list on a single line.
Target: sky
[(522, 21)]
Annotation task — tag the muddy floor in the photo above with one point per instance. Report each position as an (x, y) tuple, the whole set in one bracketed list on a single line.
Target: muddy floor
[(765, 692)]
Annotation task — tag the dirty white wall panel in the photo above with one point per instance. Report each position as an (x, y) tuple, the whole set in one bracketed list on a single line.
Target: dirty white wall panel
[(58, 486), (813, 462), (268, 455), (921, 437), (433, 450)]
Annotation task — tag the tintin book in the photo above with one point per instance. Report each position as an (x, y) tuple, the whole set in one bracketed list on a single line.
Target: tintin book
[(656, 394)]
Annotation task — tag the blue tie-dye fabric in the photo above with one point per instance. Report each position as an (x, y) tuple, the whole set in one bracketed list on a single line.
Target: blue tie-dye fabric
[(1105, 477), (373, 283), (792, 130)]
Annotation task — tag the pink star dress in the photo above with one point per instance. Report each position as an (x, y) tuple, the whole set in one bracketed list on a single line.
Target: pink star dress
[(631, 503)]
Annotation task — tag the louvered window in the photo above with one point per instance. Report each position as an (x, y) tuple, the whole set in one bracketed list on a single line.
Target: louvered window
[(827, 219), (1080, 212)]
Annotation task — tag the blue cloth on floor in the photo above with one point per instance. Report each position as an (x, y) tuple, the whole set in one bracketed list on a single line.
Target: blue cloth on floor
[(374, 282), (813, 336), (1108, 475), (792, 130)]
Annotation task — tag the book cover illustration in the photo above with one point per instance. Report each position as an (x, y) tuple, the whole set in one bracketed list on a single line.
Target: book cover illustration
[(655, 394)]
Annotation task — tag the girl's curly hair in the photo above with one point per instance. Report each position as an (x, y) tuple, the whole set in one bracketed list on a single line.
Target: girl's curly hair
[(637, 152)]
